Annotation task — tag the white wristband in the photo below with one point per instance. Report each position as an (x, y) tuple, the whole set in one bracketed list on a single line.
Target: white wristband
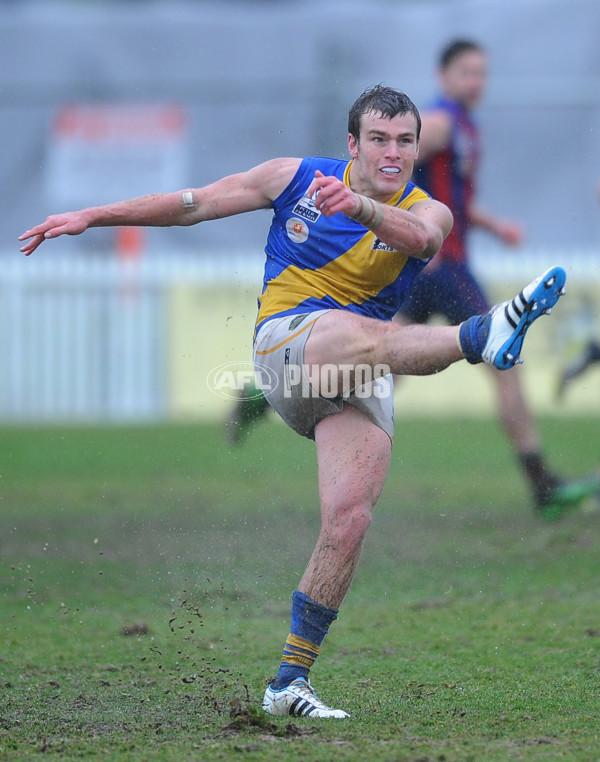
[(368, 212)]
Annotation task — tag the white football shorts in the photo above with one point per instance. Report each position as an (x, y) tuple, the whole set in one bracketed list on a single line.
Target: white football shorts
[(286, 382)]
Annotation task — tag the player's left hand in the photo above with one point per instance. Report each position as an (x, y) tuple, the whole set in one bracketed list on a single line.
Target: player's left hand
[(331, 195)]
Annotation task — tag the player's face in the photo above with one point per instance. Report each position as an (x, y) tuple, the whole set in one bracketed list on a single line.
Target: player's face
[(384, 156), (464, 78)]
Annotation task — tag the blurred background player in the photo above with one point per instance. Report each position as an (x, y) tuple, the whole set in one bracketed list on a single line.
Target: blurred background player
[(449, 153), (250, 407), (590, 355)]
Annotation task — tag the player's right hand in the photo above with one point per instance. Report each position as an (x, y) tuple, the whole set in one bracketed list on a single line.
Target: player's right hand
[(69, 223)]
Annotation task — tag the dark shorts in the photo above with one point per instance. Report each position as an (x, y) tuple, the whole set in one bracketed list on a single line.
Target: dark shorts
[(446, 289)]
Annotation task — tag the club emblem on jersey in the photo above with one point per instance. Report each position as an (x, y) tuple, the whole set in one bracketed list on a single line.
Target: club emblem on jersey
[(295, 322), (297, 229)]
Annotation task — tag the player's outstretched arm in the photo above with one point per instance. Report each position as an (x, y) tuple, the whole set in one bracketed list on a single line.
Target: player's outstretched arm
[(234, 194), (157, 210)]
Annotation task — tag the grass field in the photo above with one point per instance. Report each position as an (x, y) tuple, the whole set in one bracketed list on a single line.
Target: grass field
[(146, 576)]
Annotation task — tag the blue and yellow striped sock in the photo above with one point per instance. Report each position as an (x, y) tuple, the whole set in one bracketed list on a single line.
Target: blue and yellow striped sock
[(310, 624), (472, 337)]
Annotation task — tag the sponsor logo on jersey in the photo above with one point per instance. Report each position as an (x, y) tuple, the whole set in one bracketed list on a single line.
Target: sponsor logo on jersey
[(306, 209), (379, 245)]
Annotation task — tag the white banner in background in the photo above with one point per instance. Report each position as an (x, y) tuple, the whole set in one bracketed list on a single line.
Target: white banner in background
[(99, 153)]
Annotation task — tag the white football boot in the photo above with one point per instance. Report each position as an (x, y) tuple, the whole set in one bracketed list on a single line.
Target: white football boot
[(299, 700), (497, 338)]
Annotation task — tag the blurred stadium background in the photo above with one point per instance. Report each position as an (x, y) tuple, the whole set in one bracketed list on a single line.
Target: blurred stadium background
[(104, 100)]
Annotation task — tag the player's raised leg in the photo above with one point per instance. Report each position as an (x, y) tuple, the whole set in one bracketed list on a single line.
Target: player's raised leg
[(495, 338)]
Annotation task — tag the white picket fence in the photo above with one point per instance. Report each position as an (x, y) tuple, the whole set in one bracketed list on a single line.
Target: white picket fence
[(85, 339)]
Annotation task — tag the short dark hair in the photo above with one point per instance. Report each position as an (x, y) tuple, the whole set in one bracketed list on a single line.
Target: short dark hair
[(455, 49), (383, 100)]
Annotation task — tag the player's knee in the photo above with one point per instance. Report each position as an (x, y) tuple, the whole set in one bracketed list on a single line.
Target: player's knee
[(370, 341), (350, 522)]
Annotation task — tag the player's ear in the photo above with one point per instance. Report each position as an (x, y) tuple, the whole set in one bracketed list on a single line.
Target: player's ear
[(352, 146)]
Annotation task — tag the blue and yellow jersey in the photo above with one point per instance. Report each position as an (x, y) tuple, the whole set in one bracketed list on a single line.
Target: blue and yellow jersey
[(316, 262)]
